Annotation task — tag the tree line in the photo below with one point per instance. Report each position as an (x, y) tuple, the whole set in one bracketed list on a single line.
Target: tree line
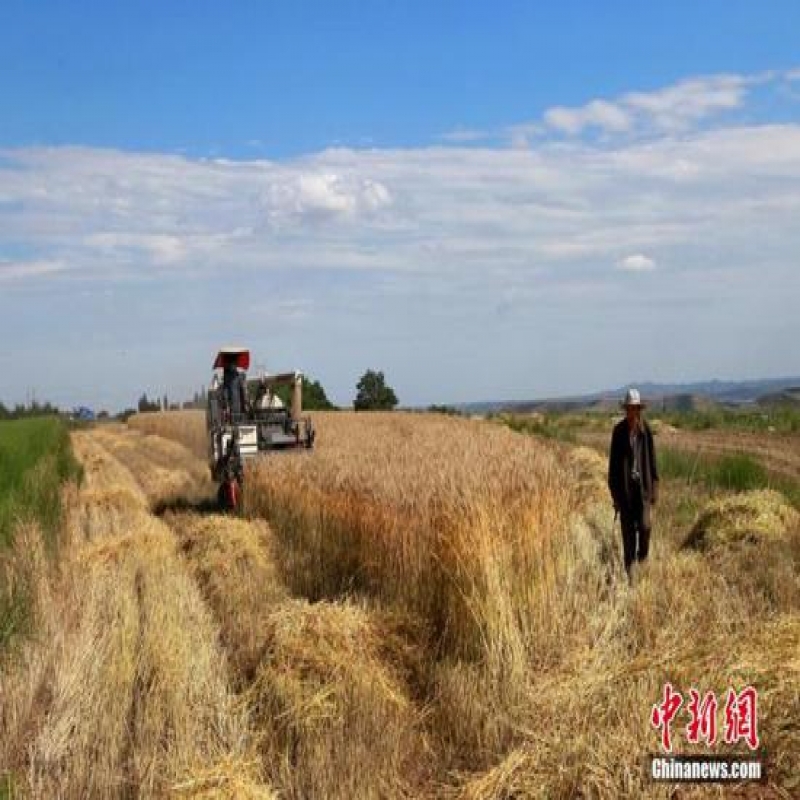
[(35, 409), (373, 393)]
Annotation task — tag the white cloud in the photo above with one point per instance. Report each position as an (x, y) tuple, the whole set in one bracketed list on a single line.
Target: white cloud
[(319, 195), (677, 107), (636, 263), (161, 248), (436, 211), (427, 248), (374, 195), (322, 194), (671, 109), (24, 270), (597, 114)]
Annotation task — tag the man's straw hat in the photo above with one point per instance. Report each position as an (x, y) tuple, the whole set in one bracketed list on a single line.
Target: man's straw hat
[(633, 398)]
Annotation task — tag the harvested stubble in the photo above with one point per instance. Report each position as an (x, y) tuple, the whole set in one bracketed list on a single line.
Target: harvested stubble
[(753, 539), (325, 683), (111, 501), (125, 694), (332, 701), (165, 470), (25, 671), (103, 472), (233, 563), (589, 469), (597, 743), (140, 699)]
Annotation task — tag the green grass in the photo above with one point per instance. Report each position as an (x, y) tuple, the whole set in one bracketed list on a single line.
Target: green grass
[(6, 786), (561, 427), (782, 419), (35, 460), (790, 489), (737, 472)]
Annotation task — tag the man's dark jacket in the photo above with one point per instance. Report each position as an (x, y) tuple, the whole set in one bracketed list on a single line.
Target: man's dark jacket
[(233, 387), (620, 460)]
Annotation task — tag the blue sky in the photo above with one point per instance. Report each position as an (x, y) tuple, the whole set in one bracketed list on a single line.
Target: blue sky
[(484, 200), (201, 77)]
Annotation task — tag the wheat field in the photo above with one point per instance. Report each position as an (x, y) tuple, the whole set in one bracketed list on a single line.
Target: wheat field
[(421, 607)]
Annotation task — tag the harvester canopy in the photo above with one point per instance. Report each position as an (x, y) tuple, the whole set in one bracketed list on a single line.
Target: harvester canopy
[(239, 355)]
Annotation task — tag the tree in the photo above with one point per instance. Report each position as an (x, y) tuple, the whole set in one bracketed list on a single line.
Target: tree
[(442, 409), (314, 397), (35, 409), (372, 393), (146, 405)]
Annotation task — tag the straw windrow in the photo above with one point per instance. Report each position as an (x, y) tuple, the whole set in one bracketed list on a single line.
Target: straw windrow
[(126, 693)]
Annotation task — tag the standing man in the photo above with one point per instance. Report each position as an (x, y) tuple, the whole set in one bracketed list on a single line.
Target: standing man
[(633, 478), (233, 384)]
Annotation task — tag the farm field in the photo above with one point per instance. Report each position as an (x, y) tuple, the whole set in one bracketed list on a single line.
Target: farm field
[(778, 452), (423, 606), (769, 440)]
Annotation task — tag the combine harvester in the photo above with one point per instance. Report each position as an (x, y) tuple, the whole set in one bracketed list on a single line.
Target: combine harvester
[(245, 418)]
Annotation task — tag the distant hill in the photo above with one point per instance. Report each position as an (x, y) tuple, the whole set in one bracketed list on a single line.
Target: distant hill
[(785, 397), (664, 396)]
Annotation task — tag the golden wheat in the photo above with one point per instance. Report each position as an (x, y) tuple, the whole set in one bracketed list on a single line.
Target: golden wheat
[(475, 635), (540, 662), (186, 427)]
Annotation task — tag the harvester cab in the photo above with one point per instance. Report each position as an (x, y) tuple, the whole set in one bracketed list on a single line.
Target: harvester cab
[(247, 417)]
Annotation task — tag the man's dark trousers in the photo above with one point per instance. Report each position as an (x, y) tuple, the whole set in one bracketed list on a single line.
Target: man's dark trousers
[(635, 522)]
